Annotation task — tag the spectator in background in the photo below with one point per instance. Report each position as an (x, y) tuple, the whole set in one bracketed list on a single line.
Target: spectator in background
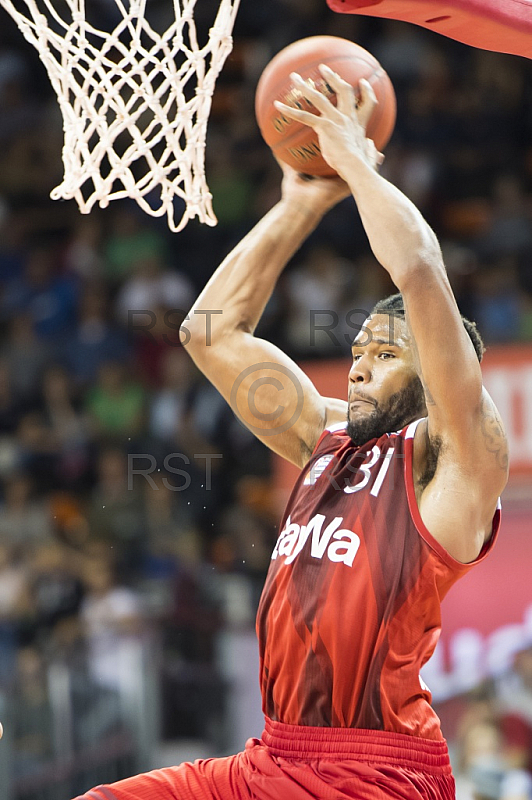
[(115, 405), (516, 785), (69, 519), (32, 722), (368, 284), (231, 185), (514, 696), (320, 284), (489, 770), (509, 227), (171, 403), (55, 591), (496, 300), (11, 243), (13, 581), (18, 112), (83, 254), (95, 340), (13, 592), (26, 356), (525, 317), (28, 167), (246, 535), (405, 53), (112, 619), (67, 426), (185, 424), (116, 514), (155, 334), (11, 407), (130, 240), (24, 520), (48, 297), (151, 285), (413, 171), (481, 768), (171, 533), (37, 452)]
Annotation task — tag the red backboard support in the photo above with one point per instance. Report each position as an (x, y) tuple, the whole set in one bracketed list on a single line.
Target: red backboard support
[(504, 26)]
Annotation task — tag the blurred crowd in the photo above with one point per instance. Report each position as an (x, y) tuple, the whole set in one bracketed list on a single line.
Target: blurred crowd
[(129, 493), (491, 741)]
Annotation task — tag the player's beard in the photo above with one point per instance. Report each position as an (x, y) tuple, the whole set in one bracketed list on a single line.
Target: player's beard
[(401, 408)]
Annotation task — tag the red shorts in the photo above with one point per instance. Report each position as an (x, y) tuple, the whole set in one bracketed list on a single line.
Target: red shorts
[(291, 762)]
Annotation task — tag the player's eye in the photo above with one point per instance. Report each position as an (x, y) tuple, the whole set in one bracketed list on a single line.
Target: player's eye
[(385, 355)]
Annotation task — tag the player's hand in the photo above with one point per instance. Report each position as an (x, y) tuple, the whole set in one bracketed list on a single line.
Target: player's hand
[(312, 192), (341, 129)]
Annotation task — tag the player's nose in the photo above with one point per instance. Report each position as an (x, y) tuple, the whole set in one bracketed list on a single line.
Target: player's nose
[(360, 371)]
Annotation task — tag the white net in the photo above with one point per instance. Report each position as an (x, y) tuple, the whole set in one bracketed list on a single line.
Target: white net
[(135, 102)]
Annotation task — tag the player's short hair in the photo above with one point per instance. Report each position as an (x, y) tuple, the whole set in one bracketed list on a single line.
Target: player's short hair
[(394, 306)]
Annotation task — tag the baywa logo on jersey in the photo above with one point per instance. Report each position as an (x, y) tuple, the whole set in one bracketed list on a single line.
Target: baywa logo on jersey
[(338, 544)]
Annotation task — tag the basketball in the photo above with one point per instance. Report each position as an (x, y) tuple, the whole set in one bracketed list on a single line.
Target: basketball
[(297, 144)]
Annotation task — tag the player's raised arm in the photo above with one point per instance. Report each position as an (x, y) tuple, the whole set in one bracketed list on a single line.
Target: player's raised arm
[(266, 389), (464, 433)]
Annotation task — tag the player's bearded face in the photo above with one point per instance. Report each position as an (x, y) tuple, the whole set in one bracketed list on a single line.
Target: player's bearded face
[(398, 410)]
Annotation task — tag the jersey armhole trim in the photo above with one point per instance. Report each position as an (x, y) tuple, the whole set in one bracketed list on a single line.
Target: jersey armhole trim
[(410, 430), (338, 426), (424, 532), (331, 429)]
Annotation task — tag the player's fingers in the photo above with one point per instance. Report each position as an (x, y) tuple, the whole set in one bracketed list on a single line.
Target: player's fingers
[(306, 117), (289, 171), (345, 94), (368, 101), (311, 94), (374, 155)]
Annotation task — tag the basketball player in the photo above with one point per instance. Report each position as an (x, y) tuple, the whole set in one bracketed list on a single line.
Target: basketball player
[(391, 507)]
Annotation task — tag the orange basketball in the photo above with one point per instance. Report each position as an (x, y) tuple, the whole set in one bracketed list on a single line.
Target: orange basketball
[(297, 144)]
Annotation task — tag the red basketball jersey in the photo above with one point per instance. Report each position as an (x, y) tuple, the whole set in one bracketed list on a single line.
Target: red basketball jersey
[(350, 610)]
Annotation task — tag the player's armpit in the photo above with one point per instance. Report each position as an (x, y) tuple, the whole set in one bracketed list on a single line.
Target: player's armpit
[(481, 452), (459, 481), (268, 392)]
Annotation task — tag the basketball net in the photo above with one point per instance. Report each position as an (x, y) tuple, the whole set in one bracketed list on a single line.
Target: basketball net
[(135, 103)]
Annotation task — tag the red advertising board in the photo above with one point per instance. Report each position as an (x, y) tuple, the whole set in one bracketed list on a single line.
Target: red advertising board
[(508, 378), (487, 615)]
